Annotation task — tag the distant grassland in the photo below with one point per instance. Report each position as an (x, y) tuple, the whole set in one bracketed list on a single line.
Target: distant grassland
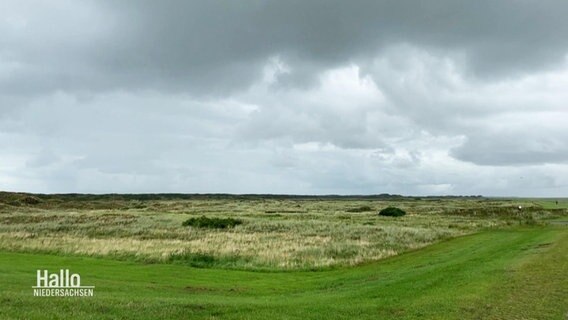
[(277, 233)]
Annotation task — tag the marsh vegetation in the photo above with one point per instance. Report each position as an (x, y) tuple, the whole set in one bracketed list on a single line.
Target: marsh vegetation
[(248, 232)]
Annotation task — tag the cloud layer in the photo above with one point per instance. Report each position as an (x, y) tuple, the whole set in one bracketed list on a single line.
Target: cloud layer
[(450, 97)]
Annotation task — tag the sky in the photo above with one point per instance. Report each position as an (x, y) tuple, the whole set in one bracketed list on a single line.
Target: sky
[(437, 97)]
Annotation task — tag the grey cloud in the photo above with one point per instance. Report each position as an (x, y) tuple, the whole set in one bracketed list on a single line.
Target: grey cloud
[(206, 39), (533, 145), (43, 158), (216, 47), (438, 97)]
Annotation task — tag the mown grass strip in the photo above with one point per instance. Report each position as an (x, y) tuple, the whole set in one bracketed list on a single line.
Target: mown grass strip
[(449, 280)]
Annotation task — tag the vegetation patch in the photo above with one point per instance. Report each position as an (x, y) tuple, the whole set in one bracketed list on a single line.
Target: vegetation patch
[(360, 209), (211, 223), (392, 212)]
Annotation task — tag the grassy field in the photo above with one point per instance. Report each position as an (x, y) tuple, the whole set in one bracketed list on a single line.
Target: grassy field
[(292, 258), (512, 274), (275, 234)]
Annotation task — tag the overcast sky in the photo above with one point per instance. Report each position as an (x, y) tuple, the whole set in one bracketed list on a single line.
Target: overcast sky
[(303, 97)]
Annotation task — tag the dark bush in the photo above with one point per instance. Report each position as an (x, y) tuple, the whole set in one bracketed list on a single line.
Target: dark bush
[(392, 212), (212, 223), (360, 209)]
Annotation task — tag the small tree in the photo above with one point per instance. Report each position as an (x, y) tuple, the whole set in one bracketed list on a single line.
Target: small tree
[(392, 212)]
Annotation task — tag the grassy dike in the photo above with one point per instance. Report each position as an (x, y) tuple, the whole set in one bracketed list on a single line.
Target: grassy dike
[(500, 274)]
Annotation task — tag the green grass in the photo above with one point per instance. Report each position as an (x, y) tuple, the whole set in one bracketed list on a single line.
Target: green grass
[(517, 273), (552, 203), (291, 258)]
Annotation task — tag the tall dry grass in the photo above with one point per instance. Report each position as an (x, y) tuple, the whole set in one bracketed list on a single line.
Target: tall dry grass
[(276, 234)]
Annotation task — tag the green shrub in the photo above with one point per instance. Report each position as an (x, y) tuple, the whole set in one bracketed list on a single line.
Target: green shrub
[(212, 223), (360, 209), (392, 212)]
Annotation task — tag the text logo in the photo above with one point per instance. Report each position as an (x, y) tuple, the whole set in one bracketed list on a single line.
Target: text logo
[(62, 284)]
